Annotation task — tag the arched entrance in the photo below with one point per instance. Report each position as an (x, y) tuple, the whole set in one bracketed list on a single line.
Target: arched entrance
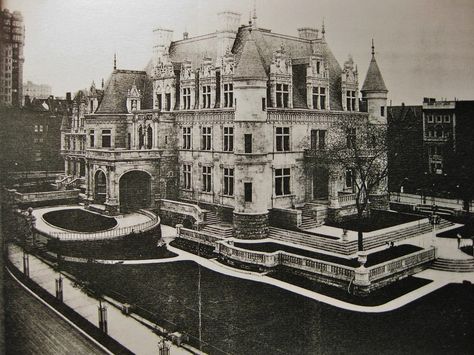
[(135, 187), (100, 192)]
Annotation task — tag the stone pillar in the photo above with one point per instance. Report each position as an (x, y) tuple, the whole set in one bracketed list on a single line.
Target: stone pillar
[(332, 188), (155, 134), (111, 201), (213, 95), (309, 95), (251, 225), (273, 94), (290, 95)]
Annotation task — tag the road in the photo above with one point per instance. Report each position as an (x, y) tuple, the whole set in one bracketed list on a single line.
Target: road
[(32, 328)]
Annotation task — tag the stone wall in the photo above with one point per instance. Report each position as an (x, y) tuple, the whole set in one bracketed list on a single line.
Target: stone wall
[(171, 218), (380, 202), (285, 218), (250, 226)]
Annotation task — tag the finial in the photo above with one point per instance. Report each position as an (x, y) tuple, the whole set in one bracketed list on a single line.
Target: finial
[(115, 61), (254, 17), (373, 48), (323, 30), (102, 83)]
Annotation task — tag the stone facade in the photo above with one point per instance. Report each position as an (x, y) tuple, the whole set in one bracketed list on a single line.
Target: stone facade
[(250, 226)]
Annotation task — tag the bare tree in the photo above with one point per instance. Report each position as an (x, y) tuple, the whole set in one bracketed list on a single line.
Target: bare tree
[(353, 144)]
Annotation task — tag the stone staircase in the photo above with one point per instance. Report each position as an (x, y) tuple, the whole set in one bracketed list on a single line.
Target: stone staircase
[(223, 230), (313, 216), (211, 218), (428, 209), (454, 265)]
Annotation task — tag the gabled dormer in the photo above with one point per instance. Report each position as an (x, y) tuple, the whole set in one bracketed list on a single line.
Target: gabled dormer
[(317, 83), (227, 80), (164, 83), (350, 86), (133, 99), (281, 76), (188, 86), (207, 84)]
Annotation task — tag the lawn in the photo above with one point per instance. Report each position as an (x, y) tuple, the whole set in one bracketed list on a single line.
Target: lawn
[(79, 220), (377, 220)]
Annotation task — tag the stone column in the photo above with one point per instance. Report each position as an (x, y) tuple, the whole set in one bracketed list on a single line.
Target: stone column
[(332, 189), (111, 201), (155, 134)]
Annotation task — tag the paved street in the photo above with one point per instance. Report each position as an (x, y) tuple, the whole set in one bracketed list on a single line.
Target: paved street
[(32, 328)]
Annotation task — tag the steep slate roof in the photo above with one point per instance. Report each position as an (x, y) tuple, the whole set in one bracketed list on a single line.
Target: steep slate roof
[(250, 65), (116, 89), (373, 80), (194, 49)]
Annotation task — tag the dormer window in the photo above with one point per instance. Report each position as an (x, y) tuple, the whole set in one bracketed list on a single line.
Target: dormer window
[(282, 95), (351, 100), (228, 95), (319, 98), (206, 96)]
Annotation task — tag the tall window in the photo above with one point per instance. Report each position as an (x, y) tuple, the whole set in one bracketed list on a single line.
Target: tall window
[(186, 98), (206, 178), (228, 139), (91, 138), (106, 138), (382, 111), (282, 95), (187, 176), (186, 137), (282, 139), (206, 96), (282, 182), (248, 191), (159, 101), (228, 182), (349, 178), (319, 98), (206, 138), (318, 139), (351, 137), (351, 100), (247, 143), (149, 137), (228, 95), (167, 102)]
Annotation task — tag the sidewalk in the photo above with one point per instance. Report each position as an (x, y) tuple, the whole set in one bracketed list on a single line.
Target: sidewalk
[(129, 332)]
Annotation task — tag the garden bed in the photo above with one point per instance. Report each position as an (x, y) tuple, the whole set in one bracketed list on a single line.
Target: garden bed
[(377, 220), (79, 220)]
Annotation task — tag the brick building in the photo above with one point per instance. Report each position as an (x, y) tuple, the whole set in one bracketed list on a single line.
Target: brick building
[(223, 121)]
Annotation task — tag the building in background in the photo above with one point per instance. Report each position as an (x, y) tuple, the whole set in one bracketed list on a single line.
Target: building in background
[(36, 91), (11, 58)]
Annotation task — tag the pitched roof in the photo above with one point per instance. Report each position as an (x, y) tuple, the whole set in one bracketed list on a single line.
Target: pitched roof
[(373, 80), (116, 89), (250, 64), (194, 49)]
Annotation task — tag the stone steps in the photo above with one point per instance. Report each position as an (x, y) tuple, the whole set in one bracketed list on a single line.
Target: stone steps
[(454, 265), (215, 230)]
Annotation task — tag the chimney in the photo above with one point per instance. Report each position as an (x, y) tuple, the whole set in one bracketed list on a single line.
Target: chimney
[(308, 33), (185, 35), (68, 97), (27, 100)]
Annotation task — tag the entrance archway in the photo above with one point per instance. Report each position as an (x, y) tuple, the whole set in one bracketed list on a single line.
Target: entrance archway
[(100, 192), (135, 188)]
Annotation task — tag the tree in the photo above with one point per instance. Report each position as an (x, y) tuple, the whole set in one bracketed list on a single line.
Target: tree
[(355, 145)]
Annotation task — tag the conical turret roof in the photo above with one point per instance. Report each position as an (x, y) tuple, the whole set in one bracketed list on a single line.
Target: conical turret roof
[(373, 80), (250, 65)]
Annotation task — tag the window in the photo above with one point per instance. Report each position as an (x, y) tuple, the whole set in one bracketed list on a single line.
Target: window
[(206, 178), (129, 141), (228, 139), (41, 128), (91, 138), (282, 181), (206, 96), (106, 138), (206, 138), (351, 100), (319, 98), (36, 128), (228, 95), (247, 143), (318, 67), (186, 137), (149, 137), (349, 177), (264, 104), (228, 182), (167, 102), (282, 139), (186, 98), (318, 139), (351, 137), (439, 119), (248, 191), (382, 111), (158, 104), (187, 176), (282, 95), (430, 119), (447, 119)]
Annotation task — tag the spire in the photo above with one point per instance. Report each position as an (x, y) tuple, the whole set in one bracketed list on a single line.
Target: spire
[(254, 17), (373, 80), (115, 61), (102, 85)]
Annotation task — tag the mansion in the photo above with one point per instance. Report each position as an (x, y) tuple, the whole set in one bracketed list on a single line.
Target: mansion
[(223, 121)]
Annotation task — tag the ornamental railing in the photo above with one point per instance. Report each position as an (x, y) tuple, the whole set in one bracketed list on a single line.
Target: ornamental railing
[(123, 154)]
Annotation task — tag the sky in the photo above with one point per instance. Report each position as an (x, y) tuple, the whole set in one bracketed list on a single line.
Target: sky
[(424, 48)]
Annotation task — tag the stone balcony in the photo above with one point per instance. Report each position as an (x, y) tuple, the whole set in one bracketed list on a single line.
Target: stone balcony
[(119, 154), (307, 115)]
